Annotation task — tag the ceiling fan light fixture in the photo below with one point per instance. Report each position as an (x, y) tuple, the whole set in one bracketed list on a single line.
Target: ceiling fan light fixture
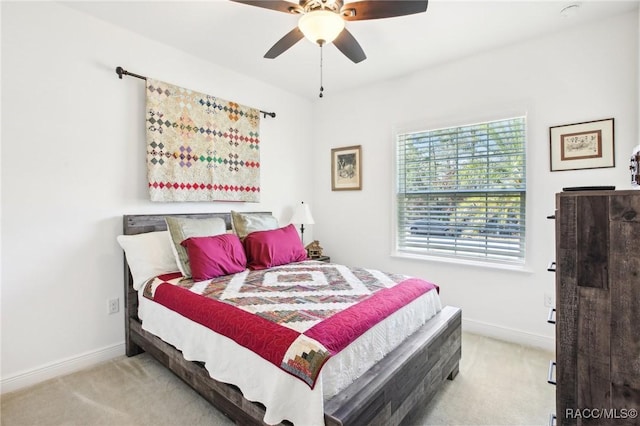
[(321, 26)]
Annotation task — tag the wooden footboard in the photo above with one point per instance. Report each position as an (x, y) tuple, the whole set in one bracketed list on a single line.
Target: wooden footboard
[(407, 377)]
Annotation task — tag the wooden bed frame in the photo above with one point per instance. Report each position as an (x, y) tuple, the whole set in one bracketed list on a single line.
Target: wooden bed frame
[(407, 377)]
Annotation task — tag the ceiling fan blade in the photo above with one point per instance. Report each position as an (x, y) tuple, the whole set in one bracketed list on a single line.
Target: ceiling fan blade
[(377, 9), (279, 5), (291, 38), (348, 45)]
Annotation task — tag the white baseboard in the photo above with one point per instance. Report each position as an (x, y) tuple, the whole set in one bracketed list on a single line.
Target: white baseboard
[(89, 359), (509, 334), (60, 368)]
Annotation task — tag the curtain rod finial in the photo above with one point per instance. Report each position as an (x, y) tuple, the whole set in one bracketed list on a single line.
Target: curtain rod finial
[(119, 71)]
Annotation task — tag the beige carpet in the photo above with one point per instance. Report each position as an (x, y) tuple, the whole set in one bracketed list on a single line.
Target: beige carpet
[(499, 384)]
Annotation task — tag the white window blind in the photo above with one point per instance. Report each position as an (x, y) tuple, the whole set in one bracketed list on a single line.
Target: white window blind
[(461, 191)]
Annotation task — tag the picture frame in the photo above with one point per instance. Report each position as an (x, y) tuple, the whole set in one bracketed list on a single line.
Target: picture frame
[(346, 168), (587, 145)]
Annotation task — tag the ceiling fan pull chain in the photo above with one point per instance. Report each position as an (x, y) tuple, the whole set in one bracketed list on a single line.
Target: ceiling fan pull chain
[(321, 86)]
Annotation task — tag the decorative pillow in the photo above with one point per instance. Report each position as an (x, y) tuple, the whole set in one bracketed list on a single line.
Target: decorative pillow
[(244, 223), (211, 257), (148, 255), (265, 249), (183, 228)]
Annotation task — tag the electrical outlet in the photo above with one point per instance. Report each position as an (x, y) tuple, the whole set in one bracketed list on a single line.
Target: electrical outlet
[(113, 306), (548, 300)]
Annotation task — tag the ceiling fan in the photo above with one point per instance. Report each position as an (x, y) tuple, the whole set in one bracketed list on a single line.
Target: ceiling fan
[(323, 21)]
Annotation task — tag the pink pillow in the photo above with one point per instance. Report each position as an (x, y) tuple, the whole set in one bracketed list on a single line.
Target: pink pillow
[(214, 256), (265, 249)]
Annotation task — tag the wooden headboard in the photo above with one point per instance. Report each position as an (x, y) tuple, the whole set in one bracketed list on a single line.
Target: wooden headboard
[(140, 224)]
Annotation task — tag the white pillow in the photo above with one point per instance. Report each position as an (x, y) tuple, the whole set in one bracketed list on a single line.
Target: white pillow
[(148, 255)]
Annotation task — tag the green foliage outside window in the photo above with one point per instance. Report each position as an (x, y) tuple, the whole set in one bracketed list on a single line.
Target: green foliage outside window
[(461, 191)]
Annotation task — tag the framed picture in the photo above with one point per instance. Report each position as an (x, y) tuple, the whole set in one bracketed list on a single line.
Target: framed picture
[(346, 168), (588, 145)]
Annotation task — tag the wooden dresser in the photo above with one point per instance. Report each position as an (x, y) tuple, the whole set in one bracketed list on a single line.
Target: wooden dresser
[(598, 307)]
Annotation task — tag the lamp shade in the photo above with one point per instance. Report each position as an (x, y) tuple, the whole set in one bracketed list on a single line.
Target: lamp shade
[(302, 215), (321, 26)]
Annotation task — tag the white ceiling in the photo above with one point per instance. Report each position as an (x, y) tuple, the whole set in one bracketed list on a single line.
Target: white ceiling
[(236, 36)]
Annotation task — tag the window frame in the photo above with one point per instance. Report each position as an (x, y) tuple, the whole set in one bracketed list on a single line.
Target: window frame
[(449, 257)]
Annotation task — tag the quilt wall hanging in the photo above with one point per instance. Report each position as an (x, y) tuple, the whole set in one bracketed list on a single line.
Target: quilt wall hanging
[(200, 147)]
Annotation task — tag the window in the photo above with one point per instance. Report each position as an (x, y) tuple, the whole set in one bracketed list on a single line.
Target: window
[(461, 191)]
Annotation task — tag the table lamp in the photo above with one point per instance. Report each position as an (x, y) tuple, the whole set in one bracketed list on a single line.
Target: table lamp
[(302, 216)]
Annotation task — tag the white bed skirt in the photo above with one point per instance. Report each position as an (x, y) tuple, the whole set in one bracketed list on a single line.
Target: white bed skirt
[(284, 396)]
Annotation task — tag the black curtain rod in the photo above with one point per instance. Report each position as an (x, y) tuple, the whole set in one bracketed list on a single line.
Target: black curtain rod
[(121, 71)]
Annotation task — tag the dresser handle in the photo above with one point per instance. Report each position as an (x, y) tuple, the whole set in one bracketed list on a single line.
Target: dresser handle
[(551, 267), (552, 366), (552, 419), (552, 316)]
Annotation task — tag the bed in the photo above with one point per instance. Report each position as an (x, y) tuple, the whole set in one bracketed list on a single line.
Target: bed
[(406, 377)]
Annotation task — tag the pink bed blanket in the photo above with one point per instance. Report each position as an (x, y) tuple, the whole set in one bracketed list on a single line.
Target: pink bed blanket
[(295, 316)]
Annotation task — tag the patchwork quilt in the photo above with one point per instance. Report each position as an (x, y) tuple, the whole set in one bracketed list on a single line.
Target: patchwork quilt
[(200, 147), (295, 316)]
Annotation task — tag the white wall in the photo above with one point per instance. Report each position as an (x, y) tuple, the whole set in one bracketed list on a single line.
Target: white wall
[(583, 74), (73, 162)]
